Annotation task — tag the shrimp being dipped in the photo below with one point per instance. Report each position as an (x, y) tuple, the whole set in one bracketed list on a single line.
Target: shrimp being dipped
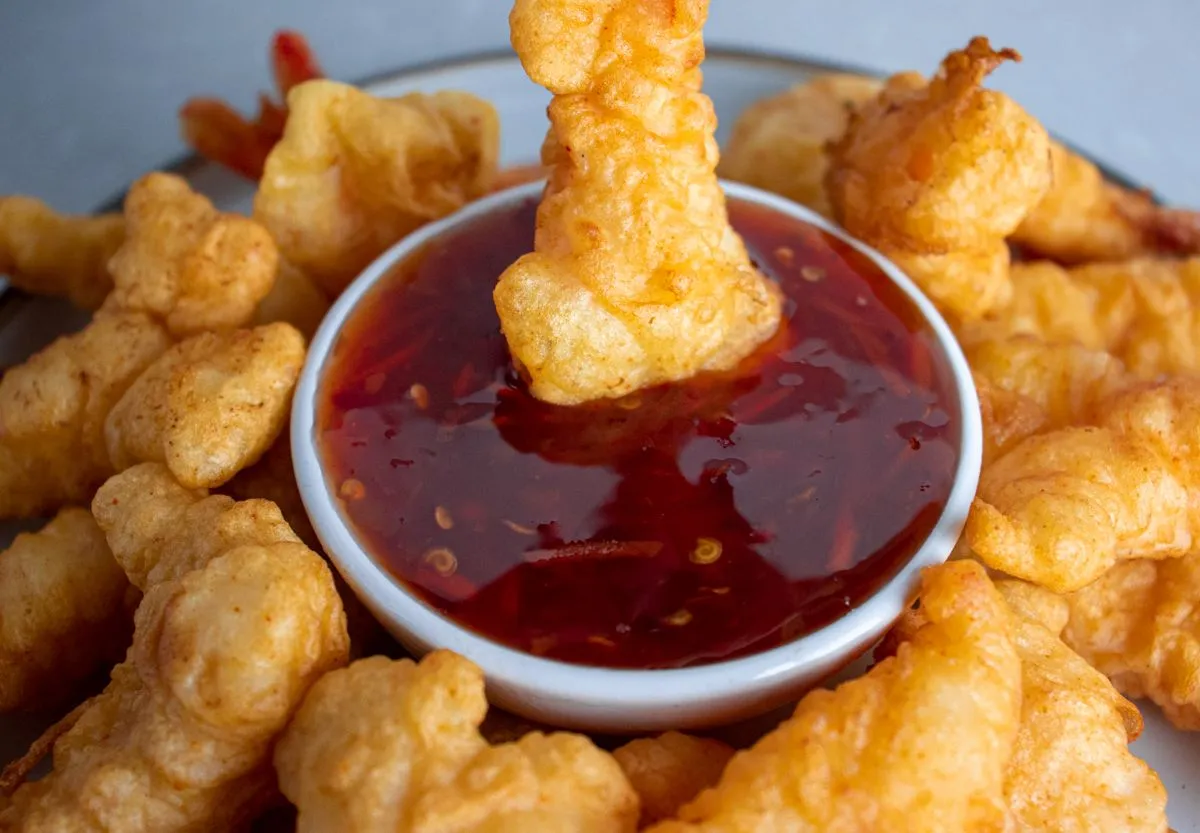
[(637, 277)]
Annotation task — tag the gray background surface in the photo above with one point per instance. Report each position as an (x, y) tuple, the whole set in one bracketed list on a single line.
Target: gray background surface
[(89, 88)]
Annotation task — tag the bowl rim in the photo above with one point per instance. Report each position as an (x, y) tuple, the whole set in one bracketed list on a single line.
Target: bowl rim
[(428, 629)]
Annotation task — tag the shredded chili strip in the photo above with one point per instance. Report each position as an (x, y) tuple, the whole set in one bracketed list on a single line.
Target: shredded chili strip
[(595, 551)]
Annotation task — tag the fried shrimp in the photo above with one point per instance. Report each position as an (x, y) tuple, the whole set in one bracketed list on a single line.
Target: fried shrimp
[(63, 611), (937, 174), (636, 277), (1063, 507), (210, 406), (47, 253), (183, 267), (1084, 218), (238, 620), (874, 754), (387, 745), (190, 265), (53, 407), (354, 173), (780, 143)]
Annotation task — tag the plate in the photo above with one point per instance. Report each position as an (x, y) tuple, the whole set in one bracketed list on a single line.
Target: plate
[(733, 79)]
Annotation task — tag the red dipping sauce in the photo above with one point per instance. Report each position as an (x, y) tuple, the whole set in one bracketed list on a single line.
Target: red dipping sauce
[(684, 524)]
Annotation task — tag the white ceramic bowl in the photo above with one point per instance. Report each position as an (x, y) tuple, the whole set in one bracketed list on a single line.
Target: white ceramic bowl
[(620, 700)]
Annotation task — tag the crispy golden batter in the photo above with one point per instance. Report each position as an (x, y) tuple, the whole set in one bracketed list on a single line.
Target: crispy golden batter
[(273, 478), (63, 611), (962, 283), (236, 624), (1008, 417), (158, 528), (294, 299), (1140, 624), (47, 253), (779, 143), (354, 173), (1146, 312), (1083, 218), (670, 770), (637, 277), (919, 743), (388, 745), (937, 174), (187, 263), (1047, 302), (1071, 768), (1063, 507), (52, 411), (210, 406), (1065, 381)]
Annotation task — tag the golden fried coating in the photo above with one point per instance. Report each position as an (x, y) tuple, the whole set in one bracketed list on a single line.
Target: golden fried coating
[(1071, 768), (1063, 507), (1083, 218), (1065, 381), (53, 406), (294, 299), (47, 253), (187, 263), (962, 283), (637, 277), (1008, 417), (670, 770), (389, 745), (1047, 302), (63, 611), (779, 143), (354, 173), (937, 174), (921, 742), (232, 631), (273, 478), (210, 406), (1145, 312), (1140, 624), (1162, 335)]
